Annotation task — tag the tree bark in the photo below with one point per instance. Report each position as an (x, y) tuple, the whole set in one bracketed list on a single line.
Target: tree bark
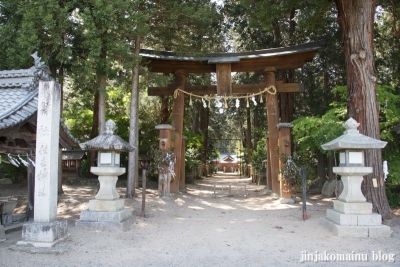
[(248, 136), (133, 165), (196, 117), (321, 167), (356, 21), (95, 127), (165, 110), (204, 120), (101, 88)]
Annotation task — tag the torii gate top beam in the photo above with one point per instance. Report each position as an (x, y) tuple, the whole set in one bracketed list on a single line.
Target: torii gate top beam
[(283, 58)]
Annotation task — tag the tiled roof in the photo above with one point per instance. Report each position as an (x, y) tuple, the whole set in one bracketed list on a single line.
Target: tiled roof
[(227, 158), (19, 96), (73, 155), (18, 100), (107, 141)]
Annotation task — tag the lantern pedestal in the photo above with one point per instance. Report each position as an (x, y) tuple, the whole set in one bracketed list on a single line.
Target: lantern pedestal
[(351, 215), (106, 211), (352, 178)]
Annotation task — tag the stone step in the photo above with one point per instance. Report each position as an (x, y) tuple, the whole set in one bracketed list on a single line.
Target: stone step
[(103, 216), (107, 226), (354, 219), (356, 230)]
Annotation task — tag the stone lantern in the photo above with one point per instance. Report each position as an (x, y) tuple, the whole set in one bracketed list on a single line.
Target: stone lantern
[(107, 210), (351, 214)]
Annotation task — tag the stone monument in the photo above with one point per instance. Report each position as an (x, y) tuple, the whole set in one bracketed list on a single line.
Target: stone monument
[(351, 215), (106, 211), (45, 231)]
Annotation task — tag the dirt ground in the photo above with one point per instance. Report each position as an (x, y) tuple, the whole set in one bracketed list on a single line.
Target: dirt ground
[(193, 228)]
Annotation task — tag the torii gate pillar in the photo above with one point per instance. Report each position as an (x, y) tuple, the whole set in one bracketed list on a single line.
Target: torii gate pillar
[(177, 123), (273, 120)]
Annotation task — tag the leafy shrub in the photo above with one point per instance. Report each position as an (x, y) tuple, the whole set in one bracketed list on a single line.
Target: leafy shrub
[(393, 195)]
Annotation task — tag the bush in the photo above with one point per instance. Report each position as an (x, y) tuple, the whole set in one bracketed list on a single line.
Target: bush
[(393, 195)]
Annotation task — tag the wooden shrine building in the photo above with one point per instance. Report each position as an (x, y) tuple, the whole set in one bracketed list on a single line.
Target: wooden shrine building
[(72, 163), (18, 117), (267, 62)]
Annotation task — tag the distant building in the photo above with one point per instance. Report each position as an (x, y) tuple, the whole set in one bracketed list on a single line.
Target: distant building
[(226, 163), (72, 163)]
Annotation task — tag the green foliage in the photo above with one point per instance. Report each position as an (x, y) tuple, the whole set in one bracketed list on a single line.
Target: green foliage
[(391, 154), (259, 154), (389, 111), (393, 195), (387, 43), (309, 133), (194, 140), (7, 170), (193, 145)]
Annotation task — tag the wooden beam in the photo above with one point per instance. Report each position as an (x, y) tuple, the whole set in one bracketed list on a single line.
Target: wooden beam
[(224, 80), (245, 64), (237, 89), (27, 137), (14, 150)]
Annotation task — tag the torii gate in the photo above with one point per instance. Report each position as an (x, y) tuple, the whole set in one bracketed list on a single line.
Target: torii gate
[(267, 62)]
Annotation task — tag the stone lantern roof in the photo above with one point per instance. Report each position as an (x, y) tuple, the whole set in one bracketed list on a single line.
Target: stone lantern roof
[(352, 139), (108, 141)]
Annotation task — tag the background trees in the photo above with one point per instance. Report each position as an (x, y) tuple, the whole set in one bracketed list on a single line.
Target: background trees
[(91, 47)]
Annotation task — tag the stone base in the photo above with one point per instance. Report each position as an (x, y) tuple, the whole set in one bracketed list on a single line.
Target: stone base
[(106, 205), (352, 207), (356, 230), (2, 230), (274, 195), (106, 220), (339, 218), (287, 200), (44, 235)]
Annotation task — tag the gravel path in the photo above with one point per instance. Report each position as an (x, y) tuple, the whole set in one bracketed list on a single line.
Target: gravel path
[(194, 229)]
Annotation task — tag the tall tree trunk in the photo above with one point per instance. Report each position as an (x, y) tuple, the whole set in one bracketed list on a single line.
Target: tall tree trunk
[(248, 136), (61, 82), (101, 88), (165, 109), (256, 125), (287, 99), (321, 169), (204, 120), (95, 127), (133, 168), (330, 164), (196, 117), (102, 104), (276, 32), (356, 21)]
